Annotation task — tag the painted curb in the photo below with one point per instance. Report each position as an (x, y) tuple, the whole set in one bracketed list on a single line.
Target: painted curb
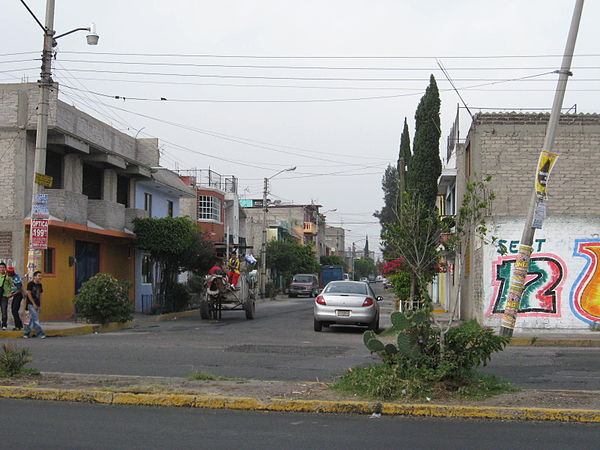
[(314, 406), (553, 342), (74, 331)]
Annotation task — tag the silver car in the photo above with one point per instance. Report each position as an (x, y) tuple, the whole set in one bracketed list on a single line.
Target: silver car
[(347, 303)]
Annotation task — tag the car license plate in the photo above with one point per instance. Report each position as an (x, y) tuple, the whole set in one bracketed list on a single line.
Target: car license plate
[(343, 313)]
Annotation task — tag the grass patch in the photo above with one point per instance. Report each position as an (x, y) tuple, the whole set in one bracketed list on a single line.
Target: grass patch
[(205, 376), (380, 382), (23, 372), (13, 360)]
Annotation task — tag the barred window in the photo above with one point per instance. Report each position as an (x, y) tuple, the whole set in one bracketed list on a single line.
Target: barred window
[(209, 208)]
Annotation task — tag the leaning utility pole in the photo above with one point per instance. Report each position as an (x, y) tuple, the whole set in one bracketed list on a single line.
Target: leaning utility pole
[(537, 207)]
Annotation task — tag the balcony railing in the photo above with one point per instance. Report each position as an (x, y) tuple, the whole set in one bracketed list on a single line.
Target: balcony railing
[(310, 228)]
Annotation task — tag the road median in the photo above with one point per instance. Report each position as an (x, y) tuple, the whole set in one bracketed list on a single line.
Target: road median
[(280, 396)]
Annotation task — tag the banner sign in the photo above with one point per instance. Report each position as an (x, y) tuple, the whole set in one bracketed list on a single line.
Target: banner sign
[(545, 164), (40, 211), (39, 234), (44, 180)]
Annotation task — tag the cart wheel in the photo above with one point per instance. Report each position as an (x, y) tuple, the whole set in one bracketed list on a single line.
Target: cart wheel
[(250, 308), (204, 312)]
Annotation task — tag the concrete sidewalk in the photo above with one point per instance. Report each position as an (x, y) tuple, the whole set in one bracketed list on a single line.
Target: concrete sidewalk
[(70, 328)]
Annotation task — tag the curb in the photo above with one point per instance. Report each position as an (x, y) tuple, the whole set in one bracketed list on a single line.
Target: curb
[(314, 406), (553, 342), (74, 331)]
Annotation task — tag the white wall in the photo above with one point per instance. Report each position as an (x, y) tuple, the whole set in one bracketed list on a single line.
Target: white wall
[(563, 290)]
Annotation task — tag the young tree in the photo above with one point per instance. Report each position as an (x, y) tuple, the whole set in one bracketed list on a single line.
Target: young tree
[(425, 165), (363, 267), (414, 237), (289, 258), (175, 244)]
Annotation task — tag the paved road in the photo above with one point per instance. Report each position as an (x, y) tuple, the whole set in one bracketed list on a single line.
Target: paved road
[(279, 345), (83, 426)]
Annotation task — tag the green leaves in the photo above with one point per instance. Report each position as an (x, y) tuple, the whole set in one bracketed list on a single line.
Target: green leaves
[(104, 299)]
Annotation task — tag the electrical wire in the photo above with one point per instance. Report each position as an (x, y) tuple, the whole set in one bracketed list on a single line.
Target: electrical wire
[(368, 57)]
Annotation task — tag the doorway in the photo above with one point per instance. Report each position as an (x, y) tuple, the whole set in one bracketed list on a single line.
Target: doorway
[(87, 255)]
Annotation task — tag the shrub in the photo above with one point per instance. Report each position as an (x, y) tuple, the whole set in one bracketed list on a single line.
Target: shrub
[(13, 360), (196, 284), (178, 297), (104, 299), (270, 290), (418, 352)]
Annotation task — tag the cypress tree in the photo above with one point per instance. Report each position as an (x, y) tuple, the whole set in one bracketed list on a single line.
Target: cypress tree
[(404, 156), (425, 165), (389, 184)]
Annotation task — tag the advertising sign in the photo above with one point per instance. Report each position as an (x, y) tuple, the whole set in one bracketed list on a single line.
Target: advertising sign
[(545, 164), (39, 234)]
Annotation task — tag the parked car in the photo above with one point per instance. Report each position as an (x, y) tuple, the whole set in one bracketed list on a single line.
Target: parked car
[(347, 303), (365, 279), (387, 283), (304, 284)]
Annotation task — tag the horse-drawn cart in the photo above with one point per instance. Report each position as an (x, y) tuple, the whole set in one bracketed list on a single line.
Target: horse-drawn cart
[(221, 297)]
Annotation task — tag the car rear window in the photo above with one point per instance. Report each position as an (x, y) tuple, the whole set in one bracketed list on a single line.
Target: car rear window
[(303, 279), (346, 288)]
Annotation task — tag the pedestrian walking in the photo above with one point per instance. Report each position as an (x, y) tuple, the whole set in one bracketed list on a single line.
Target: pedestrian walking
[(16, 295), (34, 305), (5, 285)]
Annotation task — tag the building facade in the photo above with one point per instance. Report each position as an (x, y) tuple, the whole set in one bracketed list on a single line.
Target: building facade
[(91, 201), (562, 292)]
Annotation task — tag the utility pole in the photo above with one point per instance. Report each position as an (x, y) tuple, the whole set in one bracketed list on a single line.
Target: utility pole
[(537, 206), (34, 256), (263, 246), (39, 205)]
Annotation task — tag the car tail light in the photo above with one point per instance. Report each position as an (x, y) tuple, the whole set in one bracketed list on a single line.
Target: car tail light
[(320, 300), (368, 301)]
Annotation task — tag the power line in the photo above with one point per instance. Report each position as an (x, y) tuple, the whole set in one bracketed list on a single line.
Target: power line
[(368, 57), (329, 100), (254, 66)]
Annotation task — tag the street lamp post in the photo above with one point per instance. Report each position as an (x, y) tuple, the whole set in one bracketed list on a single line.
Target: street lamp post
[(263, 247), (41, 136)]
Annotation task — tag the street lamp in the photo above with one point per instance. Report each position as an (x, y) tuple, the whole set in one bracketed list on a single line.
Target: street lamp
[(38, 202), (263, 247)]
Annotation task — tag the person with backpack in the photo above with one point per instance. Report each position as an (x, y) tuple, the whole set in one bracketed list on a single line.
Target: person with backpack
[(5, 286), (16, 296)]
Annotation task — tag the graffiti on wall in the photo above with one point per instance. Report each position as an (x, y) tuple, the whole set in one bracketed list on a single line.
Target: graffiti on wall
[(585, 293), (543, 285)]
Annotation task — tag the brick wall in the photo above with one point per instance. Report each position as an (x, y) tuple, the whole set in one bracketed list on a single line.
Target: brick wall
[(507, 146)]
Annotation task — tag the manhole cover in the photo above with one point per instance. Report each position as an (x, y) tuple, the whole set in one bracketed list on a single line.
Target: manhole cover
[(322, 350)]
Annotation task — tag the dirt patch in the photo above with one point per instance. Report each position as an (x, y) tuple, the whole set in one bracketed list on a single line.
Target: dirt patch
[(291, 390)]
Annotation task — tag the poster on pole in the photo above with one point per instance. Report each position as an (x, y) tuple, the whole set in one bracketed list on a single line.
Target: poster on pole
[(39, 234), (545, 164)]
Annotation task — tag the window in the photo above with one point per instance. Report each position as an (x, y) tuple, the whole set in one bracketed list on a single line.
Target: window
[(123, 190), (54, 168), (148, 203), (48, 261), (209, 208), (169, 208), (92, 182), (146, 269)]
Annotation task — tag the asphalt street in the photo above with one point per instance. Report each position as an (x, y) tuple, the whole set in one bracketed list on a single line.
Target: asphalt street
[(279, 344), (63, 425)]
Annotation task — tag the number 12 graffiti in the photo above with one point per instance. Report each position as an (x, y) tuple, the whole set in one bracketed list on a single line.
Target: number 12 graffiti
[(585, 294), (543, 286)]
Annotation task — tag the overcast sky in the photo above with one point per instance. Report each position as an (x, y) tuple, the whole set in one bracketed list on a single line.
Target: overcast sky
[(342, 75)]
